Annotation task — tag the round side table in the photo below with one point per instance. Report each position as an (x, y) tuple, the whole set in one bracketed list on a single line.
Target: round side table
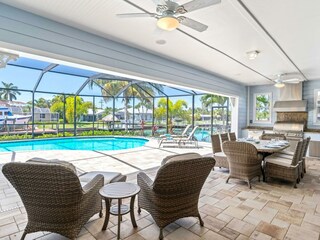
[(119, 190)]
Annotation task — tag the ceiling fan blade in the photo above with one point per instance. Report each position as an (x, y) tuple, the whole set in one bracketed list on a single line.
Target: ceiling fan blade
[(133, 15), (188, 22), (197, 4), (292, 80)]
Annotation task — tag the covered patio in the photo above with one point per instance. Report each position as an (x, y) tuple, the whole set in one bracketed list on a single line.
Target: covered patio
[(230, 211)]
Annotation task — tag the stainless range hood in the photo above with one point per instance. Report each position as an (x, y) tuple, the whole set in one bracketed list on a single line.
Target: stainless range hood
[(291, 99)]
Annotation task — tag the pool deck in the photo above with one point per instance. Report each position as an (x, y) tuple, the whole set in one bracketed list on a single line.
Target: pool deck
[(272, 210)]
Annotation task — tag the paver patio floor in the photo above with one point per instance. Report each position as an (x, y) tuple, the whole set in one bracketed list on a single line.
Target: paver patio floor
[(272, 210)]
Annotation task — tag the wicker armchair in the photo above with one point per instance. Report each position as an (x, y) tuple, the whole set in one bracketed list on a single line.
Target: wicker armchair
[(224, 137), (232, 136), (244, 161), (218, 155), (279, 167), (174, 193), (269, 136), (53, 197)]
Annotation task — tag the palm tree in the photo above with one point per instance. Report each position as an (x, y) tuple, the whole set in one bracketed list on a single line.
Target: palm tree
[(177, 109), (9, 91), (113, 87), (208, 100)]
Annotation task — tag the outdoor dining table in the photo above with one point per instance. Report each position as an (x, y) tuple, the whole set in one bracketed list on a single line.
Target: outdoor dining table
[(267, 147)]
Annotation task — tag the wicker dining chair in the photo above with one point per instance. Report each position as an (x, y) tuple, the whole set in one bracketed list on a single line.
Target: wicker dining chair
[(232, 136), (279, 167), (174, 193), (53, 197), (218, 155), (269, 136), (224, 137), (244, 161)]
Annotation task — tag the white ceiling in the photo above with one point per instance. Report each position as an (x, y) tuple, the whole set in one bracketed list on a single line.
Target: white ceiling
[(232, 30)]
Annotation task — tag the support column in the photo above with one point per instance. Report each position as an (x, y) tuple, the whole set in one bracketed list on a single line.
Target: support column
[(152, 132), (93, 113), (32, 115), (192, 121), (113, 113), (75, 116), (64, 115), (167, 114)]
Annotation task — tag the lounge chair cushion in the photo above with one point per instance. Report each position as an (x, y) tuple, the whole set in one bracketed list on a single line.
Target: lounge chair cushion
[(53, 161), (179, 157), (108, 177), (85, 177)]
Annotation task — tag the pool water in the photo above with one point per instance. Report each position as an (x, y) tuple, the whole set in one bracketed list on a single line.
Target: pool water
[(93, 144)]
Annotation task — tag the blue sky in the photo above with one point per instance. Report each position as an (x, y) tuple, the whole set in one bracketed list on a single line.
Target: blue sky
[(25, 78)]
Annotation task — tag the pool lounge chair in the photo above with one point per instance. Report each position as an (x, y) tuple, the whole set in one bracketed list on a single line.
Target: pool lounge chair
[(183, 134), (180, 141)]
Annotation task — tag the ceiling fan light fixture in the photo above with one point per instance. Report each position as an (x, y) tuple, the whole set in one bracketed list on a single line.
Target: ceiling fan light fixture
[(168, 23), (252, 54), (5, 57), (279, 84)]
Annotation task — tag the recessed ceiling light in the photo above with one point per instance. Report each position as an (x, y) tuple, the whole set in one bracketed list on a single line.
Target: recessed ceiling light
[(252, 54), (161, 42)]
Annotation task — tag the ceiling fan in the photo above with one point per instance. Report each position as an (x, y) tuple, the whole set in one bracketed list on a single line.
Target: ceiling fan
[(168, 11), (292, 78)]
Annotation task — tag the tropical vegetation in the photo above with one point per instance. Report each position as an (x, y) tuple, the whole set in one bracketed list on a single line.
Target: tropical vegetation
[(9, 91)]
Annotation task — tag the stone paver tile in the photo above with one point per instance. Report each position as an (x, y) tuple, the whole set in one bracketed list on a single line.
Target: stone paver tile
[(252, 220), (88, 236), (280, 223), (298, 233), (310, 218), (292, 216), (187, 222), (266, 214), (213, 223), (257, 204), (292, 198), (30, 236), (256, 235), (210, 235), (248, 194), (8, 229), (268, 196), (242, 237), (279, 206), (182, 233), (5, 238), (199, 230), (241, 227), (236, 212), (210, 210), (107, 234), (271, 230), (152, 232), (135, 236), (229, 233), (224, 217), (310, 226), (6, 221), (310, 208), (208, 200), (228, 201)]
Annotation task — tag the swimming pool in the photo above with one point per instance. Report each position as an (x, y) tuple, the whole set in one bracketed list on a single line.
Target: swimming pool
[(93, 144)]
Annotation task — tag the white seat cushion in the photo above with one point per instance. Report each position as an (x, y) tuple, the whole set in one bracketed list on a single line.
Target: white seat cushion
[(279, 161), (219, 154), (108, 176)]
